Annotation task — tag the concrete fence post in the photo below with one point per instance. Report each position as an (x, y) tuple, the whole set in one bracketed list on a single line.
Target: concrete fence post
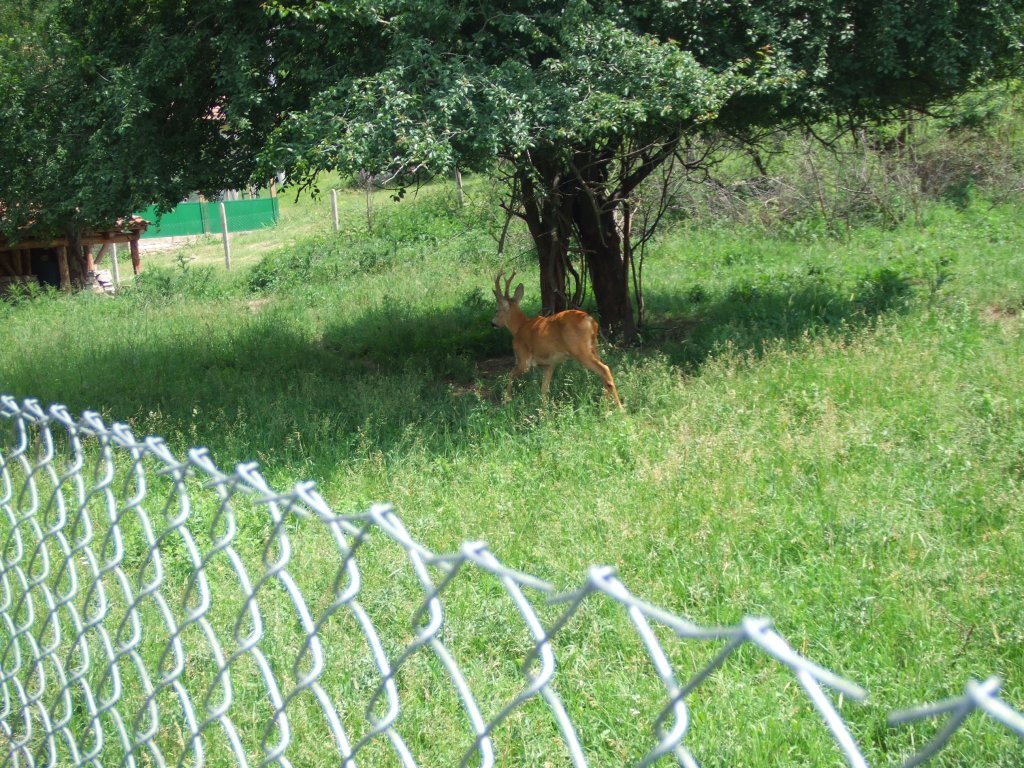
[(224, 234)]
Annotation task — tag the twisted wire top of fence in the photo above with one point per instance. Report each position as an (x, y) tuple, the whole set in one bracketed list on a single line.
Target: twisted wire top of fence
[(158, 611)]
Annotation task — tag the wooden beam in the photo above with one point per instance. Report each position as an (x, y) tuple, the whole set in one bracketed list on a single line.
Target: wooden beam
[(121, 237), (136, 259), (114, 268), (57, 242), (65, 273)]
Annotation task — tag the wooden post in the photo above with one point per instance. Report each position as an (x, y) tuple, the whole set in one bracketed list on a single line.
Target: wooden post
[(90, 262), (334, 209), (224, 233), (369, 204), (136, 260), (458, 187), (114, 269), (65, 273)]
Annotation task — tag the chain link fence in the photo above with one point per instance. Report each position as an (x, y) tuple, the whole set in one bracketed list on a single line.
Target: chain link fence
[(158, 611)]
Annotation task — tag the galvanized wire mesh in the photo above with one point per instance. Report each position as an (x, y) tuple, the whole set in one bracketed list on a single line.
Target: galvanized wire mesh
[(158, 611)]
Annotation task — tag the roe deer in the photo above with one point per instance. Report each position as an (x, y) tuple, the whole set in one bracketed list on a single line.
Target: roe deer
[(547, 341)]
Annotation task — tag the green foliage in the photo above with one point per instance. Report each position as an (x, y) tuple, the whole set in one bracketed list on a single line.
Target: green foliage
[(489, 83), (311, 264), (438, 85), (402, 233), (110, 107), (163, 284), (882, 174), (581, 102)]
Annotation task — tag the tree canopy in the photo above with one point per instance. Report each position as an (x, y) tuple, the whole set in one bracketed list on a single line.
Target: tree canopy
[(579, 102), (110, 106)]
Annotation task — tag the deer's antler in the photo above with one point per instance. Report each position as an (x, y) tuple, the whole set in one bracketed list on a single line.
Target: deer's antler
[(508, 283)]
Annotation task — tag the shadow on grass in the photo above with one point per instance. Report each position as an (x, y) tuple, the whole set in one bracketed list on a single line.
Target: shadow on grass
[(390, 380), (749, 318), (268, 390)]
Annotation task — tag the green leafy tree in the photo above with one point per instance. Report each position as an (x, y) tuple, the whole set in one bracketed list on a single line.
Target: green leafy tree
[(108, 107), (580, 102)]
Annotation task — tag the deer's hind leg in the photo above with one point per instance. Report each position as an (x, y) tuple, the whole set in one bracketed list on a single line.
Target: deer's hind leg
[(546, 384), (595, 364)]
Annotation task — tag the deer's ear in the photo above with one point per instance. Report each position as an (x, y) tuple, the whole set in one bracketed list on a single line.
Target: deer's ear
[(518, 294)]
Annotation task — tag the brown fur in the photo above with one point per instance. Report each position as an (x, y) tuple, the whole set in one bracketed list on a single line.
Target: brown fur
[(547, 341)]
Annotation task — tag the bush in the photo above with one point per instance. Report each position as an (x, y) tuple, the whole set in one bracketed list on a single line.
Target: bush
[(319, 259), (881, 175), (184, 281)]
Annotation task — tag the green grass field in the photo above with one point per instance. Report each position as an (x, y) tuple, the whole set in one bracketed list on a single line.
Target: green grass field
[(828, 432)]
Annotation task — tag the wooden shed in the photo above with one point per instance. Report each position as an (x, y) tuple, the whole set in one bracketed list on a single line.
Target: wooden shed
[(51, 261)]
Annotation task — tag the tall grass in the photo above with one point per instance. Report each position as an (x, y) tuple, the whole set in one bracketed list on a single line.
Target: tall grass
[(826, 431)]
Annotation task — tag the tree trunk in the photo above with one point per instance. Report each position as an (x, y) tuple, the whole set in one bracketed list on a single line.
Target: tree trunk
[(76, 256), (550, 232), (65, 269), (461, 195), (607, 264), (609, 276), (552, 277), (571, 203)]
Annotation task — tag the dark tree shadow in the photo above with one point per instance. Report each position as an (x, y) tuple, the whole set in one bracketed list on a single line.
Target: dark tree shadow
[(392, 377), (688, 328), (272, 394)]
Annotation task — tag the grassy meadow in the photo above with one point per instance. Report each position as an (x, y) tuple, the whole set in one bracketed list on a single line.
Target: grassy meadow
[(825, 430)]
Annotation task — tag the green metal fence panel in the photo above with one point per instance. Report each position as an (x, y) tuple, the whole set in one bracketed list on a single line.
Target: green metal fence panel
[(185, 219), (244, 215), (204, 218)]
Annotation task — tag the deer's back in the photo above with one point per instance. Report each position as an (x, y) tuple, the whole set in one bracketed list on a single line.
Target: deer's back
[(548, 340)]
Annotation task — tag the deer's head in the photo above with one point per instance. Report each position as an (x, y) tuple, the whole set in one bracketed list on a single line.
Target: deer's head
[(506, 303)]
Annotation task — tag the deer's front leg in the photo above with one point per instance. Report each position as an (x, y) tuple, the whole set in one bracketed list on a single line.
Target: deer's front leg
[(522, 366)]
